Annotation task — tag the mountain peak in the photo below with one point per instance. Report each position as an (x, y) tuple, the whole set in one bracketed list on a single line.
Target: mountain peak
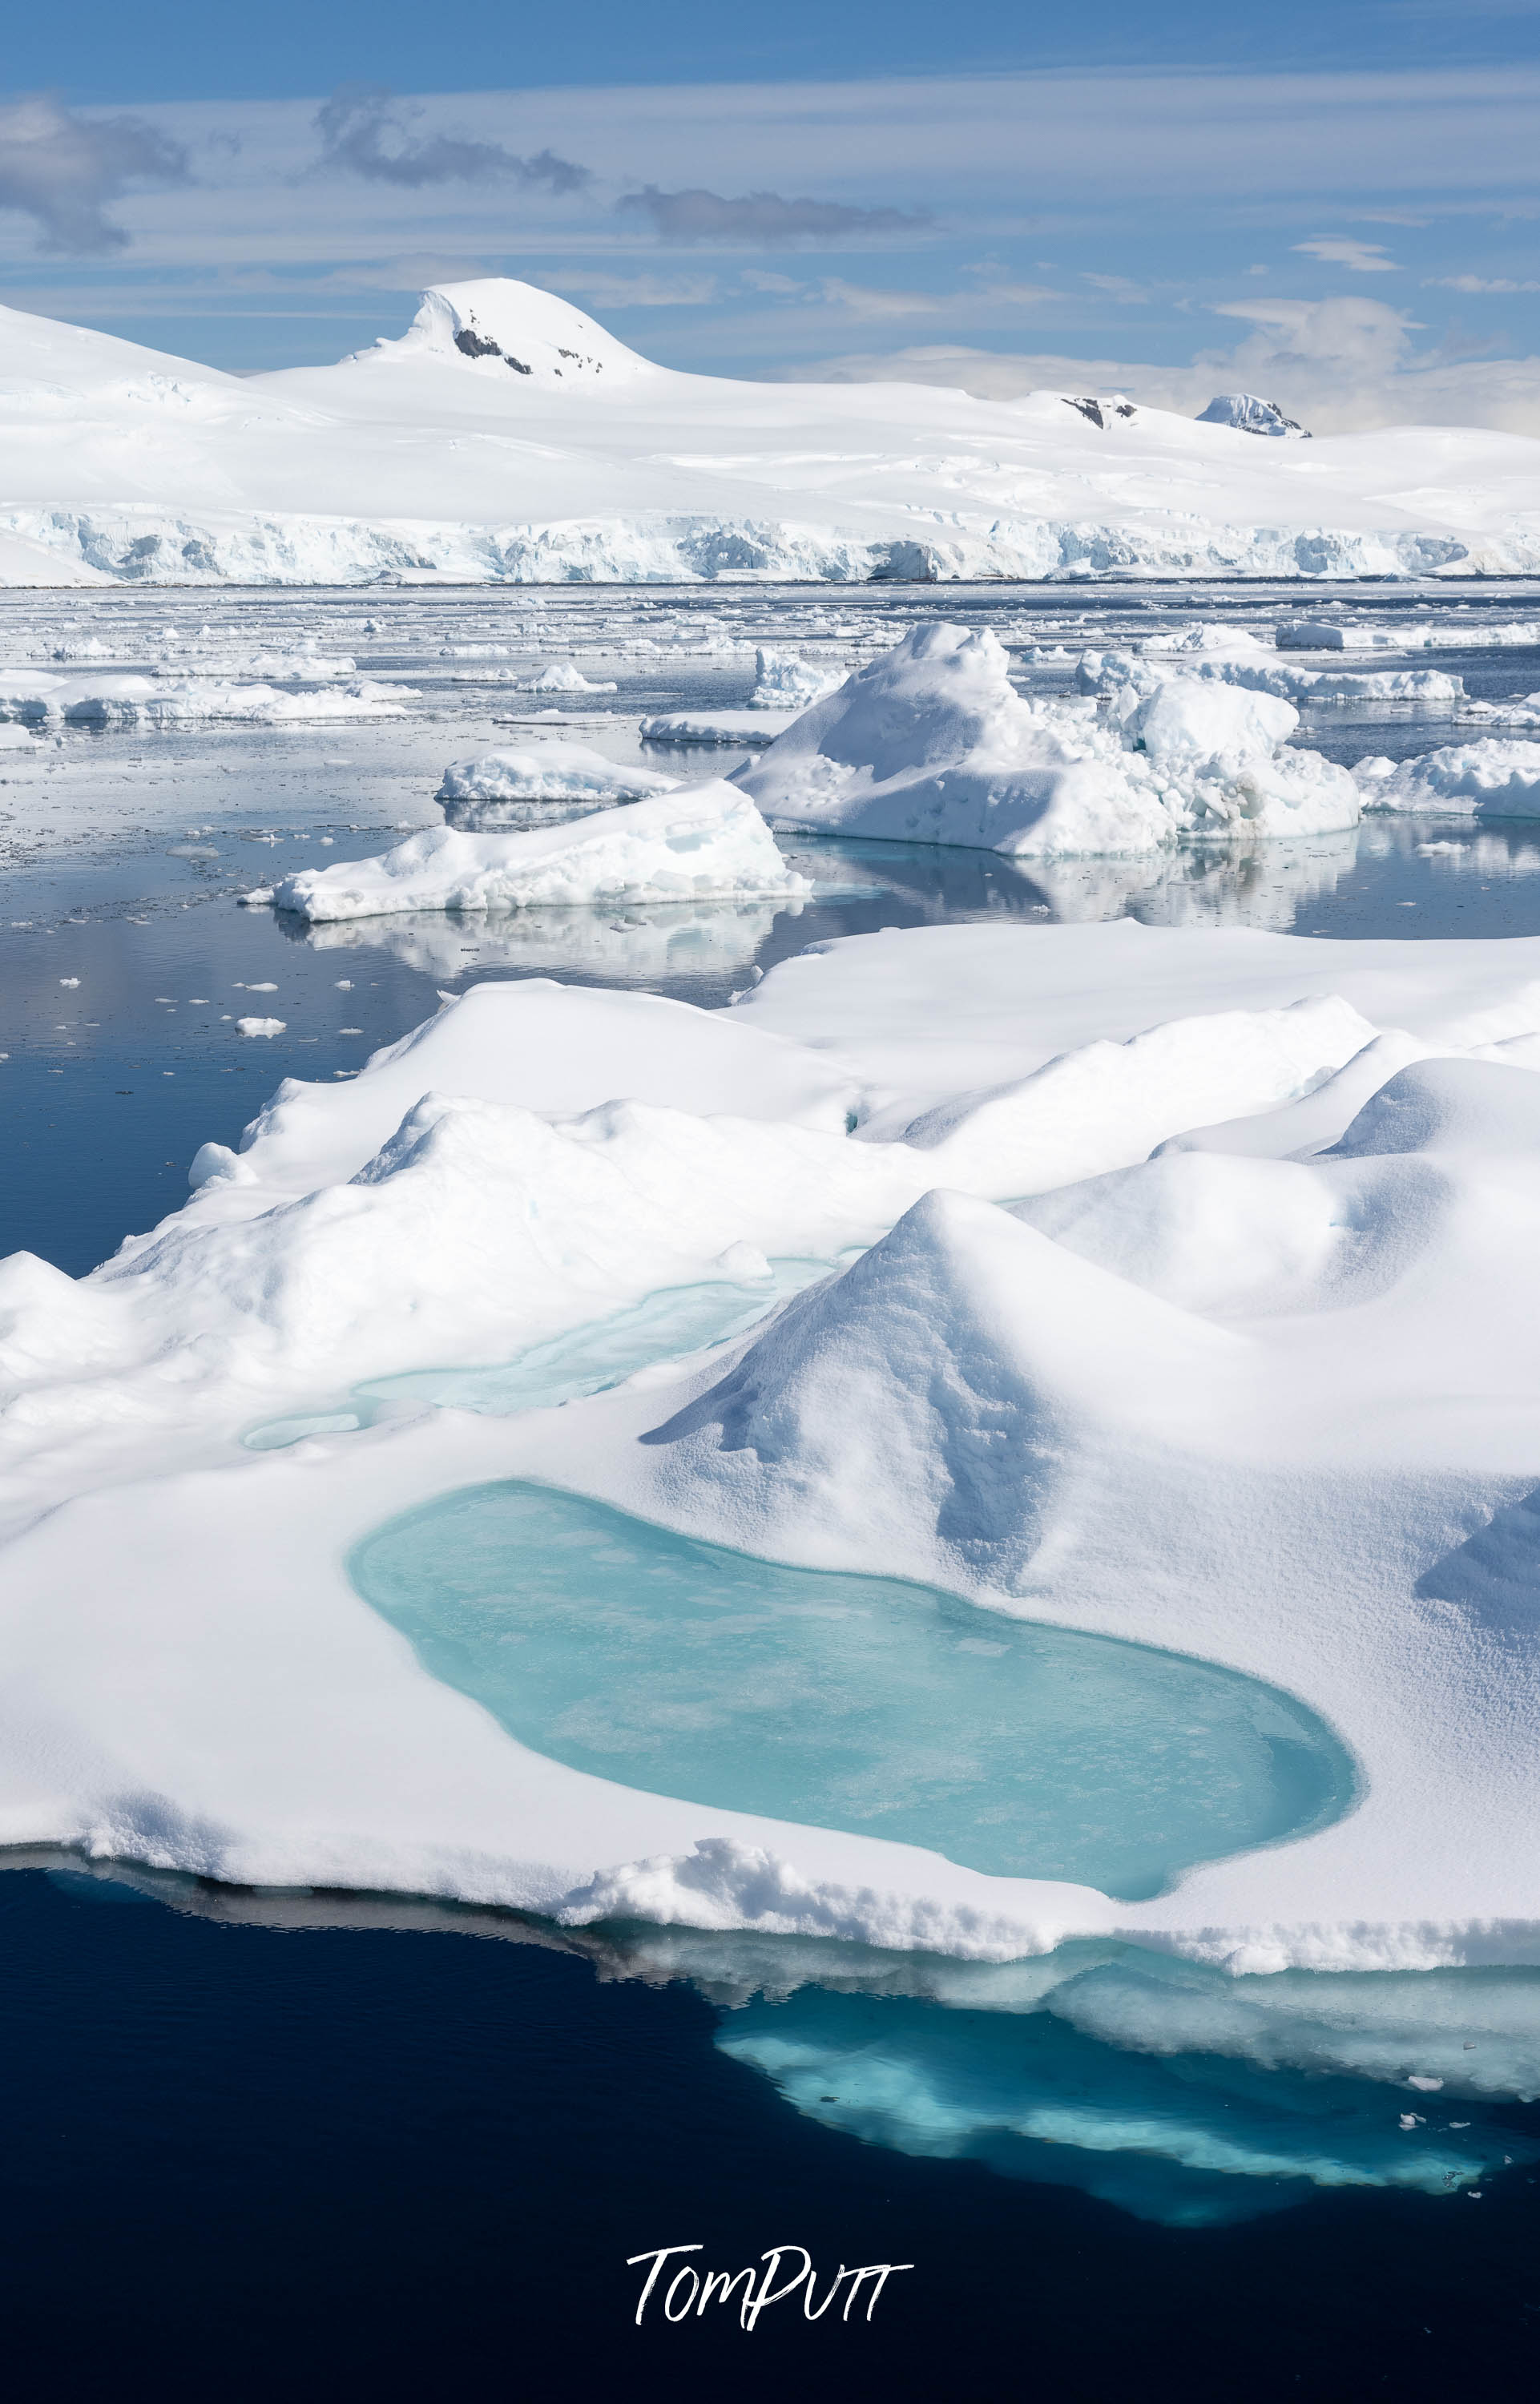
[(502, 329)]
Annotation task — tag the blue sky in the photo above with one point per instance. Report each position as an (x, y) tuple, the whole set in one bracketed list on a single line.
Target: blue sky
[(1340, 201)]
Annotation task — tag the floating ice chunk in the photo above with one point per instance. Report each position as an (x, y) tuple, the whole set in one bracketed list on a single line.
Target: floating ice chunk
[(1490, 779), (739, 728), (686, 844), (933, 744), (518, 787), (784, 681), (561, 676), (260, 1025), (1231, 642)]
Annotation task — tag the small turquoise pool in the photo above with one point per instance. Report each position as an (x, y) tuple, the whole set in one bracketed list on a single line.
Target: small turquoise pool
[(860, 1703)]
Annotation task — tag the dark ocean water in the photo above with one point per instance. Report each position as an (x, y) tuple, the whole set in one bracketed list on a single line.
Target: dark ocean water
[(307, 2148)]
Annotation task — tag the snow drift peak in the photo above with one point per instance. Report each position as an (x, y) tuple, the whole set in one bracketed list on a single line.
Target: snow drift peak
[(931, 1395), (509, 331), (1252, 415)]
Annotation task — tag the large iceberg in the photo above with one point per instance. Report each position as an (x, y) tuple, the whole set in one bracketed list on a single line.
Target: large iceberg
[(931, 743), (686, 844)]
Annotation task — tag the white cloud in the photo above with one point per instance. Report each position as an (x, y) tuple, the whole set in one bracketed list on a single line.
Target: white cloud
[(1361, 257), (1476, 283), (61, 170), (366, 131)]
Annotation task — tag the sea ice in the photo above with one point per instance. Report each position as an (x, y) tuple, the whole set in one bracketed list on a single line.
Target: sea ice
[(528, 786), (686, 844), (1263, 1399), (1488, 778)]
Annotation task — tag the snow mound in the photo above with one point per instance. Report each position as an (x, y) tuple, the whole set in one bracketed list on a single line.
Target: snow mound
[(930, 743), (684, 845), (519, 786), (784, 681), (1488, 778), (1245, 411), (924, 1397)]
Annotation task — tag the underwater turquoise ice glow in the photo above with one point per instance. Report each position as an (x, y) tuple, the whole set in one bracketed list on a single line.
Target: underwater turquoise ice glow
[(865, 1704)]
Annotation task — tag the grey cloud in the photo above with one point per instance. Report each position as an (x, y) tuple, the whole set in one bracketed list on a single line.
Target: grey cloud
[(62, 170), (763, 218), (364, 130)]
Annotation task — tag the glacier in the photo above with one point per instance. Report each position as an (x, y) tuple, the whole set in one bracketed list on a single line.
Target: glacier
[(504, 437)]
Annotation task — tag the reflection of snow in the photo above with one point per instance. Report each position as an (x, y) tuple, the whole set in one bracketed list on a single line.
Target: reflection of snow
[(648, 945)]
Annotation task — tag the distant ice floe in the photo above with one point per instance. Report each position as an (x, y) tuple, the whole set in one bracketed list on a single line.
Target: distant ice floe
[(736, 728), (1488, 778), (686, 844), (933, 744), (31, 697), (1241, 659), (529, 784), (1426, 634)]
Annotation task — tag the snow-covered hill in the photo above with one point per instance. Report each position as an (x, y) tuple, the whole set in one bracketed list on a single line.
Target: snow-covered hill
[(506, 436)]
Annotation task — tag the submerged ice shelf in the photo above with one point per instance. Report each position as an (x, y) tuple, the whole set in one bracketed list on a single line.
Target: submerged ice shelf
[(854, 1703)]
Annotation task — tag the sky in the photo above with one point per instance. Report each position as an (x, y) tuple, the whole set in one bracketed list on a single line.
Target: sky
[(1338, 206)]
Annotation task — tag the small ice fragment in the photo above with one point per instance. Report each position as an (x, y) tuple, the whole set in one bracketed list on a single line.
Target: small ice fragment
[(261, 988), (70, 982), (344, 984), (1424, 2086), (1412, 2120), (255, 899), (260, 1025), (1460, 2124), (350, 1031)]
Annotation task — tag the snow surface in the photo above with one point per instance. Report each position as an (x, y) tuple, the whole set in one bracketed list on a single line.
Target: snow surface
[(931, 743), (689, 842), (1180, 1288), (507, 437)]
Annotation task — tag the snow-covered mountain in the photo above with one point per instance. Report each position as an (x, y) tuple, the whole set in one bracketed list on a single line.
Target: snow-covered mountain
[(507, 437)]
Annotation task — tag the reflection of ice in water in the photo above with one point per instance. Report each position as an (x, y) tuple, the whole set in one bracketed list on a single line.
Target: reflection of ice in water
[(618, 946), (1264, 886)]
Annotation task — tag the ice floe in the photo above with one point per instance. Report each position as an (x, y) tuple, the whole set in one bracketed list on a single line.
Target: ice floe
[(689, 842), (516, 787), (1488, 778), (1178, 1289)]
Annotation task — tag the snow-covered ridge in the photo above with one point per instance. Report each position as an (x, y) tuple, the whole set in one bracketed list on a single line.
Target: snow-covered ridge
[(506, 436)]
